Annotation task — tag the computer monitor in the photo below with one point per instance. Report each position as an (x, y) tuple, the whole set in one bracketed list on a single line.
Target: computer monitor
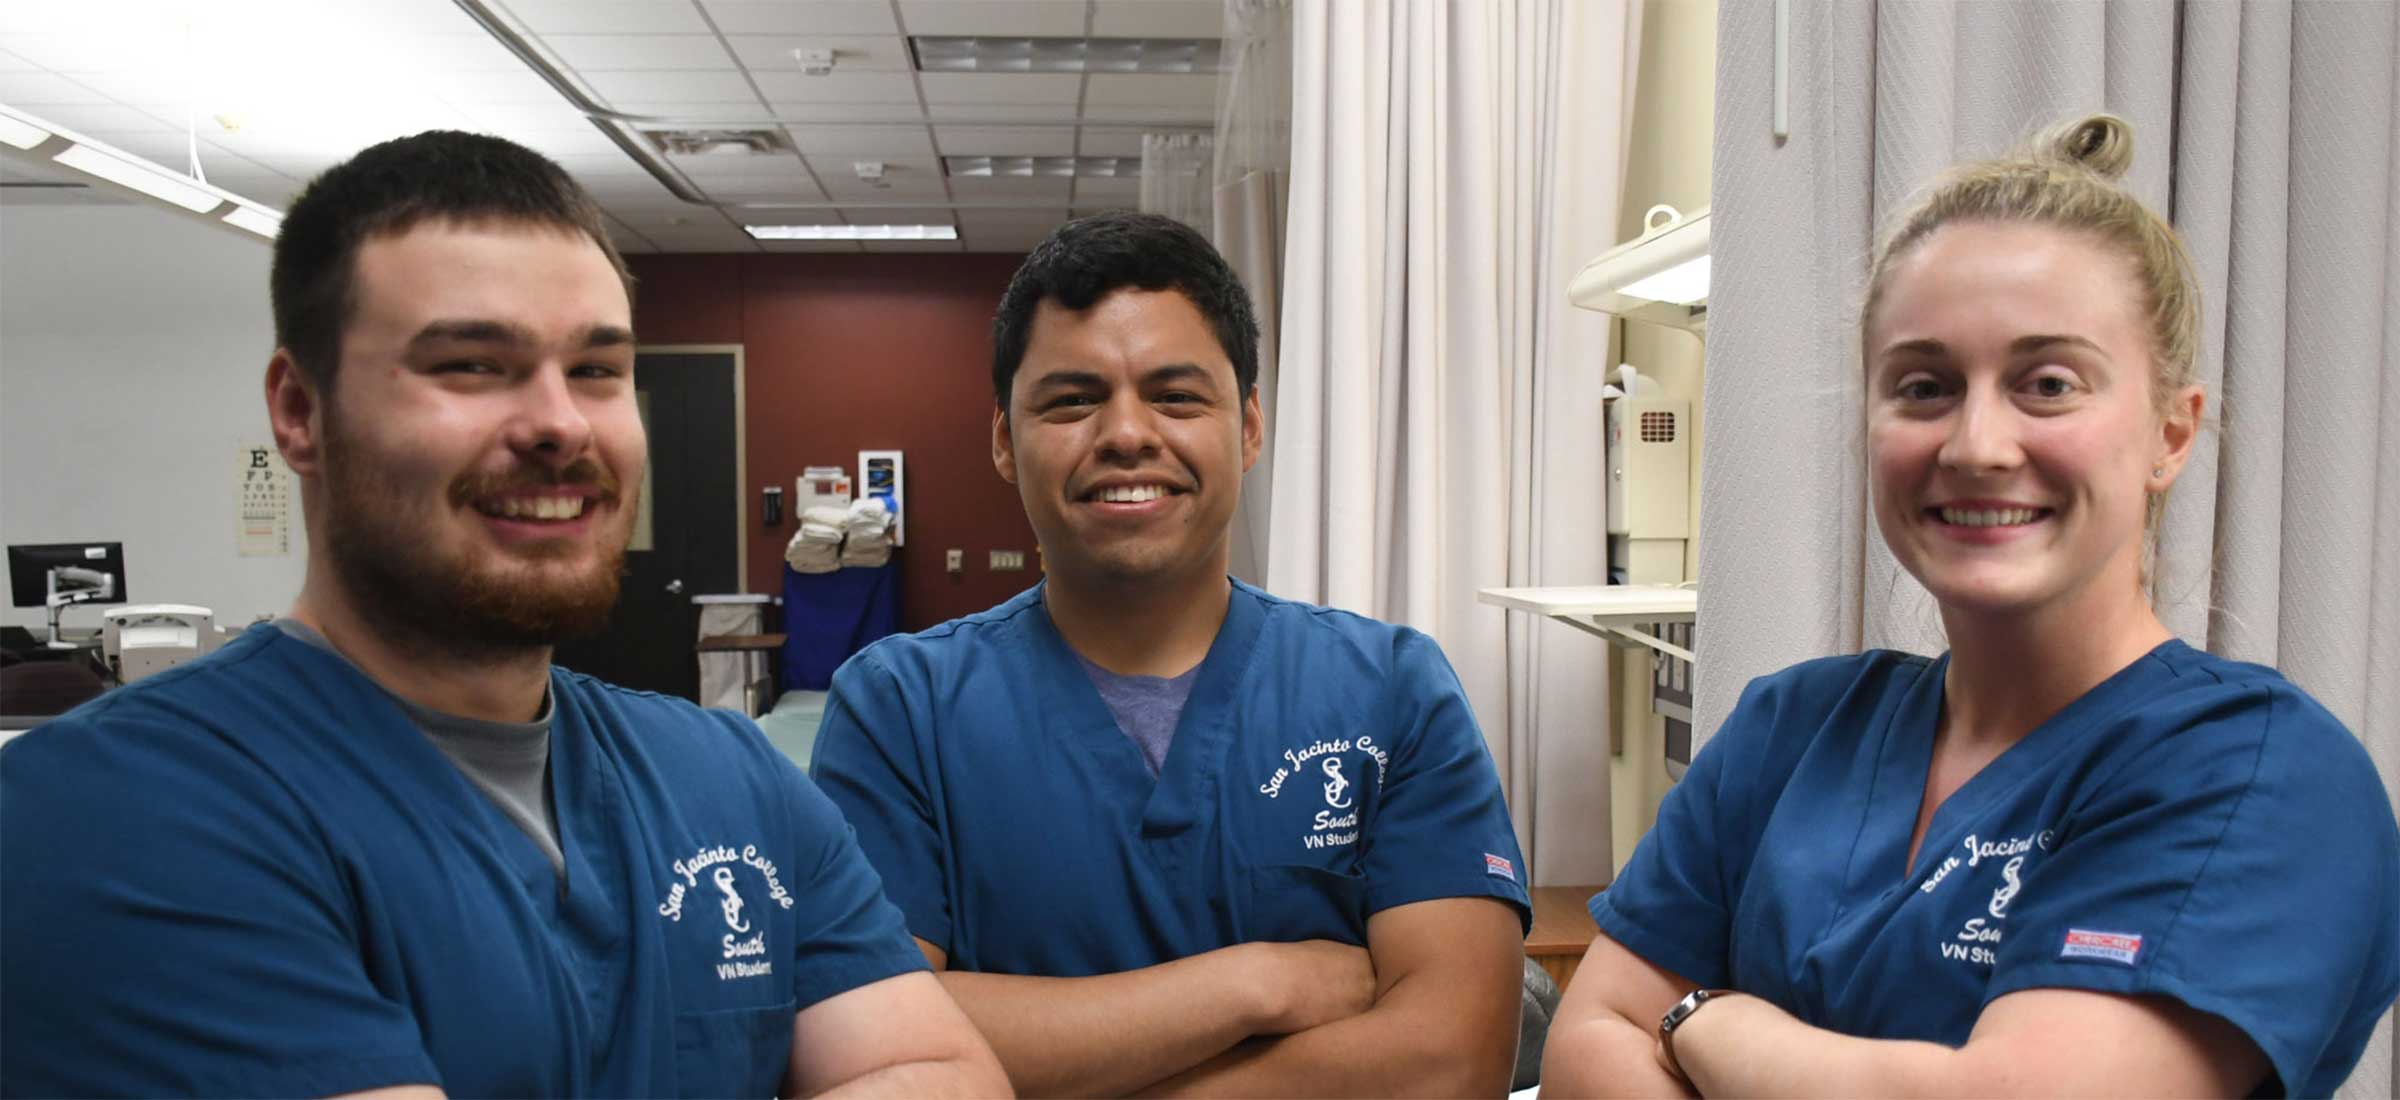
[(99, 574)]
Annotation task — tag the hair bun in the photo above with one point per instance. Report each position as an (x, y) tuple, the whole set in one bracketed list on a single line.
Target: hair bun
[(2101, 143)]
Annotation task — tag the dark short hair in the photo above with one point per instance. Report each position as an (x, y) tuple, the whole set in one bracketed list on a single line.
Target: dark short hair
[(390, 188), (1085, 259)]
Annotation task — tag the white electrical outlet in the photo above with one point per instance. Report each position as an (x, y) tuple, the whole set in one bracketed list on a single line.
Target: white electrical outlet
[(1007, 560), (955, 561)]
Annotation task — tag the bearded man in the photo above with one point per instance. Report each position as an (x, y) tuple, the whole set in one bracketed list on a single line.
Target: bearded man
[(383, 844)]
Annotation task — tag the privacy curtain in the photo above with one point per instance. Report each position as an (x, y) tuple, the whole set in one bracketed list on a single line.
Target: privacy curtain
[(1250, 192), (1437, 411), (2267, 133)]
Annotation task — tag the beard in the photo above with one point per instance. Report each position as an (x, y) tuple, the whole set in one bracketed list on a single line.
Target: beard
[(403, 581)]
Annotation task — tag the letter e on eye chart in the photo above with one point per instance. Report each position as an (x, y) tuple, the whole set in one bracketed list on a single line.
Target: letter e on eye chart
[(263, 503)]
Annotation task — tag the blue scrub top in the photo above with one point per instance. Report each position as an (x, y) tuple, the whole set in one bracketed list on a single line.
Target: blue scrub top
[(1326, 767), (251, 875), (2192, 828)]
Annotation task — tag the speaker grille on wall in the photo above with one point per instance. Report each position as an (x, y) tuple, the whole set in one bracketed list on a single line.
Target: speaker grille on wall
[(1658, 427)]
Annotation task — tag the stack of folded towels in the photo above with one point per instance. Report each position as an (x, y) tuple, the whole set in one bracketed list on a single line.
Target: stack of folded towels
[(868, 528), (817, 546)]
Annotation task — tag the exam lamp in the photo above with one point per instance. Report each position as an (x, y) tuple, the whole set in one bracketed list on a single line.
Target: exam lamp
[(1660, 277), (133, 175)]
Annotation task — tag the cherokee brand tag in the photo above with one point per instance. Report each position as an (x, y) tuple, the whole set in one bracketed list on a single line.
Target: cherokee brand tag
[(2118, 947)]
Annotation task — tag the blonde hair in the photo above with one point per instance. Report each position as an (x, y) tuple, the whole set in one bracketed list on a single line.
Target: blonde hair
[(2066, 178)]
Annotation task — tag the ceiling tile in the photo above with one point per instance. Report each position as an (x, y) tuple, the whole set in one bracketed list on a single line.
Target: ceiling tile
[(588, 142), (1158, 19), (675, 115), (1012, 18), (1005, 141), (776, 216), (640, 52), (104, 120), (913, 246), (1202, 118), (618, 87), (1004, 113), (83, 50), (921, 215), (877, 141), (1094, 141), (986, 188), (1153, 90), (1011, 221), (1126, 191), (1058, 89), (851, 53), (609, 16), (555, 115), (794, 112), (447, 53), (814, 17), (37, 90), (837, 87), (519, 88), (643, 191), (726, 166), (903, 182), (11, 63), (763, 190)]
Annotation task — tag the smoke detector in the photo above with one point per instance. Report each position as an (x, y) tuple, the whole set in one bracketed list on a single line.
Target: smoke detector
[(814, 61), (870, 172)]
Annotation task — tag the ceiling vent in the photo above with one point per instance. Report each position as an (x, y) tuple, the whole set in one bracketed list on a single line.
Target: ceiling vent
[(718, 142), (950, 54), (1086, 167)]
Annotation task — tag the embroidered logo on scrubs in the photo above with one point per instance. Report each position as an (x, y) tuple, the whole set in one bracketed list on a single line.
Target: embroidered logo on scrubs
[(743, 949), (1498, 867), (1296, 760), (2121, 947), (1336, 787), (2008, 889)]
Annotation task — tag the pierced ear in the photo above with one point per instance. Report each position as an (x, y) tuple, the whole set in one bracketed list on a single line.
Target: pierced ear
[(2178, 429), (1004, 449), (295, 413)]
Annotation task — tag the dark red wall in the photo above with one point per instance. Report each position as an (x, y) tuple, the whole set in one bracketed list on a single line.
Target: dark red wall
[(851, 352)]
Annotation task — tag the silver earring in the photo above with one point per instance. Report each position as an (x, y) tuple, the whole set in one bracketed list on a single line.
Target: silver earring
[(2158, 471)]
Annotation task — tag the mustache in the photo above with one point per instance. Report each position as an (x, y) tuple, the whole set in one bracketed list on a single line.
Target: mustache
[(583, 472)]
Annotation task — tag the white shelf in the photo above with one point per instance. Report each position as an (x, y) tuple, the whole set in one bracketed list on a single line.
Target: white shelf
[(1611, 611)]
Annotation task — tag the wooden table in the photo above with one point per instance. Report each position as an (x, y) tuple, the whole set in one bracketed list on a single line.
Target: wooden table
[(1562, 929)]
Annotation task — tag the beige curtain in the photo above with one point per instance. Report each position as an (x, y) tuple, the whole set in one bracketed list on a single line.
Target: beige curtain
[(1436, 408), (2267, 132), (1251, 181)]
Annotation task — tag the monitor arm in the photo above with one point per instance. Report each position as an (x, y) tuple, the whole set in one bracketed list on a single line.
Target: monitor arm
[(69, 585)]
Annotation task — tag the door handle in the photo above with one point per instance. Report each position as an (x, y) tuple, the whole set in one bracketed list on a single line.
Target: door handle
[(675, 586)]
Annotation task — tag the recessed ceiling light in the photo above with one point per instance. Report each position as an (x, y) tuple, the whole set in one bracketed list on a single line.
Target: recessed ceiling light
[(266, 223), (1087, 167), (853, 232), (951, 54), (21, 133), (142, 176)]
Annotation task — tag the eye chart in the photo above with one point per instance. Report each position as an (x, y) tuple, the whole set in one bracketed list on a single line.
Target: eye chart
[(264, 504)]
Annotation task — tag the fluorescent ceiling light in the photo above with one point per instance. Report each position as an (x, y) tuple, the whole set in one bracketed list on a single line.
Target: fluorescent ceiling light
[(1025, 167), (20, 132), (265, 223), (950, 54), (853, 232), (1661, 276), (142, 176)]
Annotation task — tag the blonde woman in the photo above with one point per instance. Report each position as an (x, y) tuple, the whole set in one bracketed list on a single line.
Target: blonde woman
[(2071, 855)]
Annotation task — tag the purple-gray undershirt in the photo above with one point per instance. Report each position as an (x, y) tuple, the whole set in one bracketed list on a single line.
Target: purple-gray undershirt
[(1146, 707)]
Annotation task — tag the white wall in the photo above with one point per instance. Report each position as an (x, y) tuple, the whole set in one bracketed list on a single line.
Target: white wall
[(133, 348)]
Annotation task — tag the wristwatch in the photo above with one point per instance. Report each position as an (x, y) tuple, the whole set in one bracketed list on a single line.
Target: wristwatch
[(1675, 1017)]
